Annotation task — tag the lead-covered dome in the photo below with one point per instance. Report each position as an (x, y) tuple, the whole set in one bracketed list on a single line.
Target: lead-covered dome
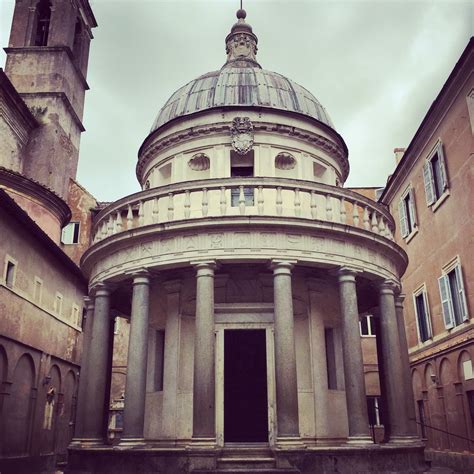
[(241, 82), (241, 86)]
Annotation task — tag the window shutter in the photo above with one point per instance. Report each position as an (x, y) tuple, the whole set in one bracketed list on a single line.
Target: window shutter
[(429, 184), (412, 208), (63, 235), (402, 213), (442, 167), (446, 301), (462, 293), (427, 313), (417, 317)]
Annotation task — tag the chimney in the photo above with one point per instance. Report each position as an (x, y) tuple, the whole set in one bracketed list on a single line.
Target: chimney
[(399, 152)]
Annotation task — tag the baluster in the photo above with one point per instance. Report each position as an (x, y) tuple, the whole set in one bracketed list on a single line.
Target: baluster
[(297, 203), (110, 225), (242, 201), (355, 214), (279, 202), (390, 233), (118, 222), (375, 225), (141, 214), (314, 205), (223, 201), (104, 229), (129, 217), (328, 207), (381, 226), (155, 211), (366, 218), (170, 206), (187, 204), (205, 202), (260, 201), (343, 211)]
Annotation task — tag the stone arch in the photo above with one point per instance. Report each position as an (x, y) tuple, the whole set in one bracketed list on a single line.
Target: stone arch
[(417, 384), (51, 408), (66, 415), (428, 373), (18, 407)]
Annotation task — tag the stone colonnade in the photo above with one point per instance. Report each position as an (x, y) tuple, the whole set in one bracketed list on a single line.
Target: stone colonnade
[(92, 403)]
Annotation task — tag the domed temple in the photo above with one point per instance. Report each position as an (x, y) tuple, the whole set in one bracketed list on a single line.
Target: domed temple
[(243, 265)]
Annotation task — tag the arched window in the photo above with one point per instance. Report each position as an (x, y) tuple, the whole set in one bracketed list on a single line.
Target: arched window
[(43, 17)]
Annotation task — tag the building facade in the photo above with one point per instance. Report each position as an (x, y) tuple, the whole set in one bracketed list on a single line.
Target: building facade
[(430, 195), (42, 290), (243, 266)]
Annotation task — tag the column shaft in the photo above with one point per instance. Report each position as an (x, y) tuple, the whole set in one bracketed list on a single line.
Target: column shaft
[(95, 393), (405, 360), (394, 381), (285, 356), (352, 357), (135, 384), (204, 425), (85, 362)]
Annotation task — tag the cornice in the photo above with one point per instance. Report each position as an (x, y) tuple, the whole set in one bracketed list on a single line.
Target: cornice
[(150, 149), (50, 200)]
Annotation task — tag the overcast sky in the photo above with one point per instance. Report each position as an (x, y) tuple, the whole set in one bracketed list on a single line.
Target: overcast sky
[(375, 65)]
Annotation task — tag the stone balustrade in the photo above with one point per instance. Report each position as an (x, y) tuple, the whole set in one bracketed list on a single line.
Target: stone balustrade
[(257, 196)]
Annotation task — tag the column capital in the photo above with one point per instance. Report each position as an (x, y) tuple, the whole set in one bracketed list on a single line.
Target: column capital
[(100, 289), (88, 302), (204, 267), (140, 277), (388, 287), (282, 267), (399, 300), (348, 274)]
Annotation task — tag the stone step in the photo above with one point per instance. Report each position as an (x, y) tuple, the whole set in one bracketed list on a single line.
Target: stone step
[(273, 470), (249, 462)]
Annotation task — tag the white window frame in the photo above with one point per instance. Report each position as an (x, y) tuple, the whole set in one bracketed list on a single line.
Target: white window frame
[(38, 283), (75, 311), (65, 233), (421, 290), (407, 214), (432, 199), (446, 296), (11, 260), (58, 308), (369, 326)]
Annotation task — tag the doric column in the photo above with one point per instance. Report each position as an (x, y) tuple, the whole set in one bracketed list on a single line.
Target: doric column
[(85, 362), (204, 424), (135, 384), (394, 380), (171, 358), (352, 356), (95, 413), (410, 399), (285, 356), (316, 290)]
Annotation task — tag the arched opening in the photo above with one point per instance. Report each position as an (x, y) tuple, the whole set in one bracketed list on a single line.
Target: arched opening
[(43, 18), (18, 409), (66, 415), (52, 386), (77, 45)]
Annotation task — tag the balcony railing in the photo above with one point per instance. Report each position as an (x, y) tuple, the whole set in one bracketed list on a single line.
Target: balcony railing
[(257, 196)]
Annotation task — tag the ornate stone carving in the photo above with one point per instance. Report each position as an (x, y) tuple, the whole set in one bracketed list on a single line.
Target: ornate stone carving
[(285, 161), (199, 162), (242, 135)]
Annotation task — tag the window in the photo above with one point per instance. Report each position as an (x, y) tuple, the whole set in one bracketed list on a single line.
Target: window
[(434, 175), (242, 166), (10, 272), (38, 290), (367, 325), (75, 319), (330, 358), (70, 233), (58, 303), (453, 296), (373, 411), (43, 17), (423, 322), (406, 213)]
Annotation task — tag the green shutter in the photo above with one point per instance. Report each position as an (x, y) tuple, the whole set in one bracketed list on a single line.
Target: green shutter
[(462, 293), (403, 218), (446, 301), (429, 184)]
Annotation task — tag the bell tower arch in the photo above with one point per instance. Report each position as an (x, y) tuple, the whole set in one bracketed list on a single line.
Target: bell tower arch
[(47, 60)]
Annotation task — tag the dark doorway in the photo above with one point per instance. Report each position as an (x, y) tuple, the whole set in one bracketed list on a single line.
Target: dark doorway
[(245, 386)]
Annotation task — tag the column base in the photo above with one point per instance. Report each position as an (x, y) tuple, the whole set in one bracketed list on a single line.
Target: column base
[(86, 442), (289, 443), (202, 443), (130, 443), (360, 440), (404, 439)]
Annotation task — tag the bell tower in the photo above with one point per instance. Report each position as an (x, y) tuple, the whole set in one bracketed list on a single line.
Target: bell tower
[(47, 61)]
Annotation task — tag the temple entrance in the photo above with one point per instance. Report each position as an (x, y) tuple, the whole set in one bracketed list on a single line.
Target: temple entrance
[(245, 386)]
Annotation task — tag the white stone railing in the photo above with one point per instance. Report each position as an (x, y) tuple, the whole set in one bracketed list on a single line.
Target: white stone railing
[(278, 197)]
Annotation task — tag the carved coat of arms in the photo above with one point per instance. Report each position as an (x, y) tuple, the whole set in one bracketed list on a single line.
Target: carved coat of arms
[(242, 135)]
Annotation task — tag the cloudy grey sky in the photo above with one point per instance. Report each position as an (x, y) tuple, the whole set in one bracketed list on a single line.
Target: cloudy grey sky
[(375, 65)]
